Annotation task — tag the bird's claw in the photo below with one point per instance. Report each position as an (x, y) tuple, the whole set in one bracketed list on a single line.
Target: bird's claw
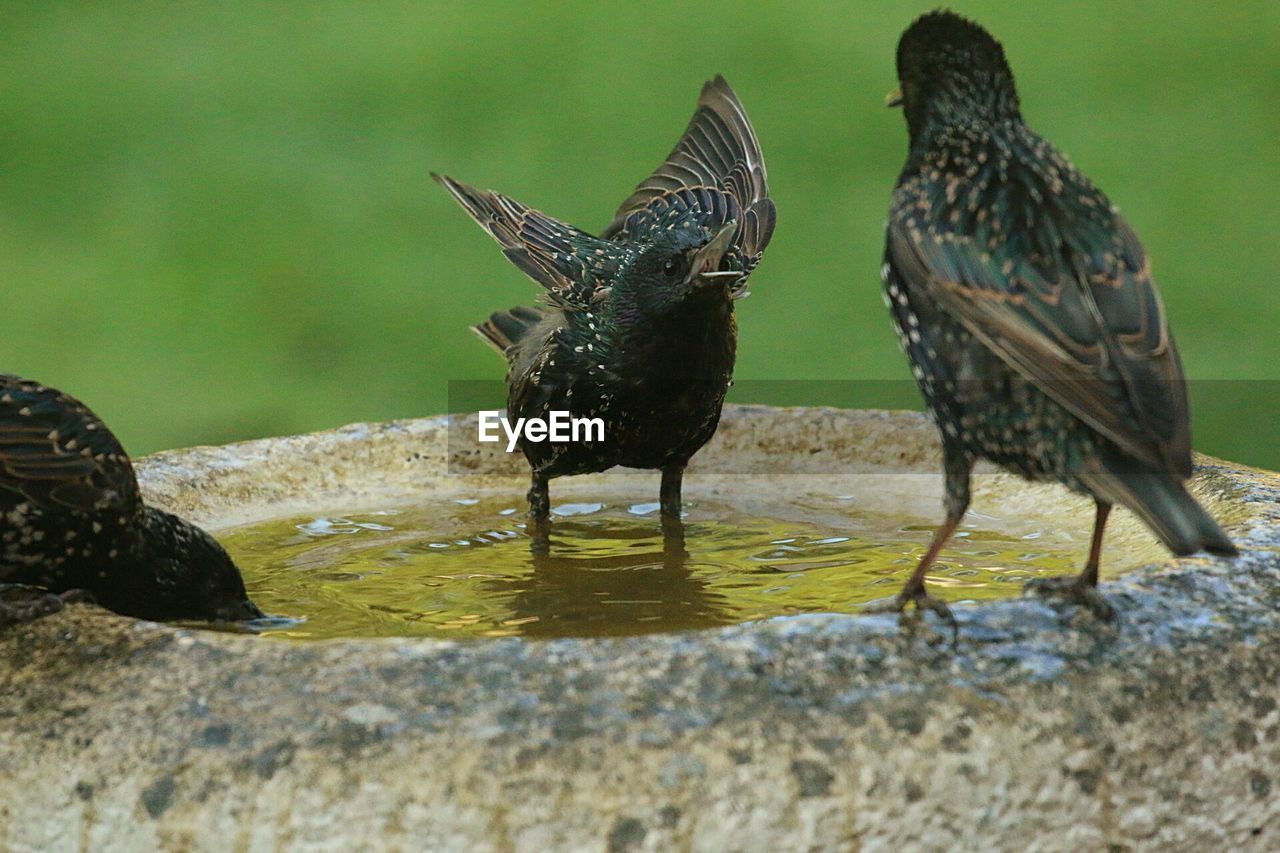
[(1072, 590), (923, 601)]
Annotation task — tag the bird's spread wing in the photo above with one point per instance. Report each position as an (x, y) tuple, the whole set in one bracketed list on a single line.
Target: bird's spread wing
[(1043, 270), (56, 453), (570, 263), (715, 175)]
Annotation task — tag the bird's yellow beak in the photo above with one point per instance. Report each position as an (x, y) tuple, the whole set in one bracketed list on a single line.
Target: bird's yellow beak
[(894, 98)]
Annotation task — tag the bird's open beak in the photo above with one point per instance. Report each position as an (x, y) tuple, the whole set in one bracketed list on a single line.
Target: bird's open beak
[(894, 98), (706, 263)]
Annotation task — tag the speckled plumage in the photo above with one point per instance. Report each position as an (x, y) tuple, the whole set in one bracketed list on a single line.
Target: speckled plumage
[(1027, 308), (71, 517), (639, 327)]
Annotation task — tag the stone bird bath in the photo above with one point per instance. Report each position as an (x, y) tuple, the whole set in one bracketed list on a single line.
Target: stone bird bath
[(1043, 728)]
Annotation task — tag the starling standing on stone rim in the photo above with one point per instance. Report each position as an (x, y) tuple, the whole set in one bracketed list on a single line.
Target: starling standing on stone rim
[(71, 518), (638, 327), (1026, 306)]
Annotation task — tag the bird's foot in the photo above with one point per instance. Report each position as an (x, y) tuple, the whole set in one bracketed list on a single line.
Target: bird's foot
[(923, 601), (20, 604), (1075, 591)]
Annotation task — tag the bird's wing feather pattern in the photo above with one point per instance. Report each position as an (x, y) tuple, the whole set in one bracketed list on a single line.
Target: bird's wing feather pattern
[(571, 264), (715, 175), (1060, 289), (56, 453)]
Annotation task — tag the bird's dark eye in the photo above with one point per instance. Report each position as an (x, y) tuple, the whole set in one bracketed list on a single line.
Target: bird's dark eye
[(669, 266)]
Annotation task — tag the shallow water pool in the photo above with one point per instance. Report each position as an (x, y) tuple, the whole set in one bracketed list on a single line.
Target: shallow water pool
[(465, 569)]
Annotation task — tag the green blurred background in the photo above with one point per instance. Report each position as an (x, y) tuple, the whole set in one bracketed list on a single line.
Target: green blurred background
[(216, 219)]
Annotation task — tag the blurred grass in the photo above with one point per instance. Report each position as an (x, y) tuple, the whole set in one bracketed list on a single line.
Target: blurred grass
[(216, 220)]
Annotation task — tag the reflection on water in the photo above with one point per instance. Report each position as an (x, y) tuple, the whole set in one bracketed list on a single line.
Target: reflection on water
[(465, 569)]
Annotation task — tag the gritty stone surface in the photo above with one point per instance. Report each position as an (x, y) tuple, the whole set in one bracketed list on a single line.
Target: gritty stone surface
[(1043, 729)]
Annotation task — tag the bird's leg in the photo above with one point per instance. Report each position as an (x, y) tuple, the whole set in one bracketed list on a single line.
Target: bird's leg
[(957, 466), (1089, 577), (539, 498), (914, 590), (1083, 588), (539, 513), (669, 492)]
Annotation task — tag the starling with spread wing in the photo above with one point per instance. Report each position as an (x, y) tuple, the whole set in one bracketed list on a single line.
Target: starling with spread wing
[(71, 518), (1027, 308), (637, 328)]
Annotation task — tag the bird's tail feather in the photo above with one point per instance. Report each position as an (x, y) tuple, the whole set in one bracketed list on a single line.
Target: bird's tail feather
[(1162, 501), (504, 329)]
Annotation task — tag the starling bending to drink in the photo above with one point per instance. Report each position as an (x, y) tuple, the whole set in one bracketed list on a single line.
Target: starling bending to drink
[(638, 327), (72, 518), (1027, 308)]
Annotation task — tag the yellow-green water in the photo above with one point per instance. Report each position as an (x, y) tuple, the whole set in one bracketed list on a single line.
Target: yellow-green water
[(463, 569)]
